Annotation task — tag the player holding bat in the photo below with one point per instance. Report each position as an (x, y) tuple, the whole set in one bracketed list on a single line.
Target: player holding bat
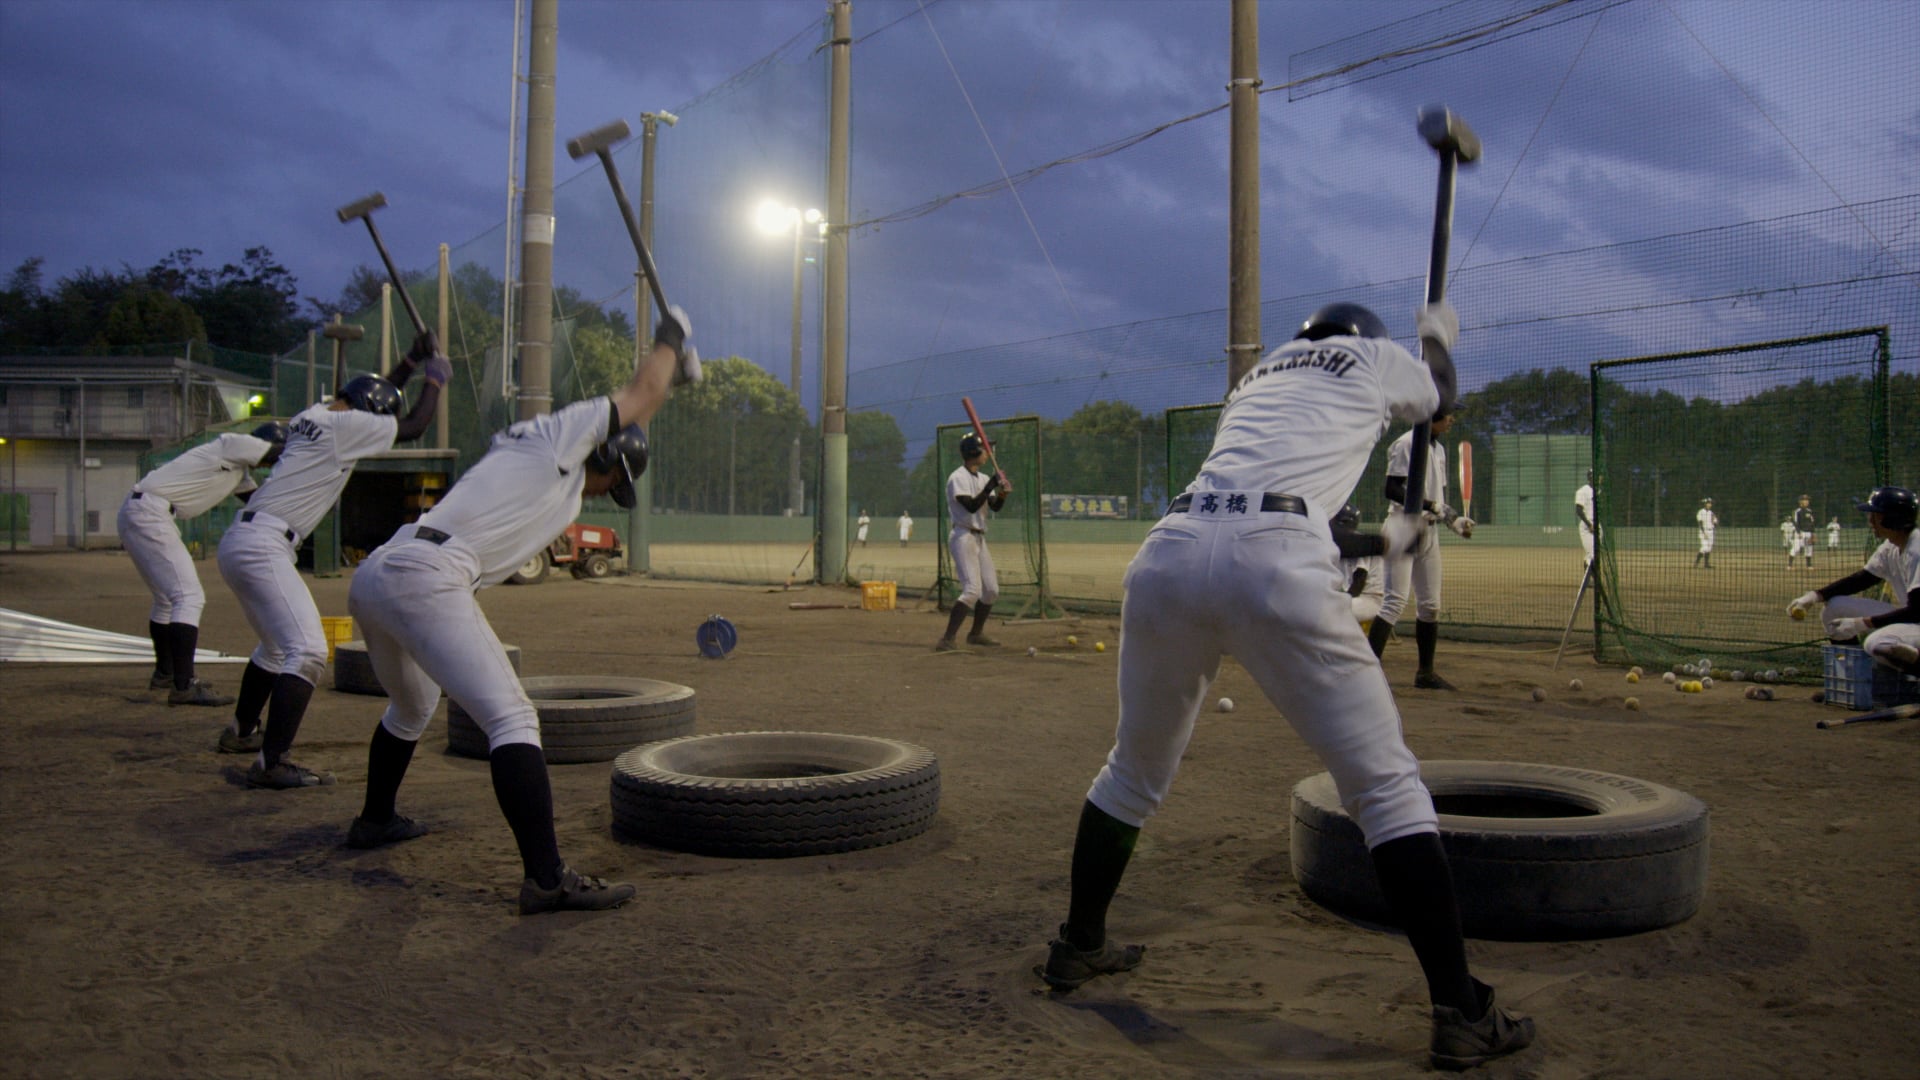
[(970, 494)]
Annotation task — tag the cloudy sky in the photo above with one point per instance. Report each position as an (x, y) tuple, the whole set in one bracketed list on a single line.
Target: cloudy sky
[(129, 129)]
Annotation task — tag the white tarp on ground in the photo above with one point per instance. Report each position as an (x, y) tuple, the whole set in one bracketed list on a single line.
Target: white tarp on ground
[(30, 638)]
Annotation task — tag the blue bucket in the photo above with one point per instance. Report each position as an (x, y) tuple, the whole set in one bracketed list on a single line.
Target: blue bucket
[(716, 638)]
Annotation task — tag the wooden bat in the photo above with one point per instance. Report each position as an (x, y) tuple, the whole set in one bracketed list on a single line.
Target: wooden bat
[(1466, 479), (1898, 712), (798, 605), (981, 430)]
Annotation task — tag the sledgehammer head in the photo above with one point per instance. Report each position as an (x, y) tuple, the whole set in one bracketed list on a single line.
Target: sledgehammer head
[(1446, 131), (361, 208), (598, 139)]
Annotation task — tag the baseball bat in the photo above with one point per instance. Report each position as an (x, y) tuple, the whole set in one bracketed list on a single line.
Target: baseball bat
[(1466, 478), (981, 430), (1898, 712), (363, 209), (1456, 144), (598, 142)]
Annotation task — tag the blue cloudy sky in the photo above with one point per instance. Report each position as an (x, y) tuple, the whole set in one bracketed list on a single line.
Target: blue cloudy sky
[(129, 129)]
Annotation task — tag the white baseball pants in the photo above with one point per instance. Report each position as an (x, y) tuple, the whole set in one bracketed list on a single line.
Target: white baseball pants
[(1264, 588), (1424, 570), (257, 562), (1802, 544), (973, 567), (153, 543), (1706, 543), (1859, 607), (415, 606)]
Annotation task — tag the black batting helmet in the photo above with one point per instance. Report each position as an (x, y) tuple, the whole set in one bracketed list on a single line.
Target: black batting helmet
[(1342, 320), (1895, 505), (625, 456), (1347, 518), (371, 393), (971, 447), (275, 434)]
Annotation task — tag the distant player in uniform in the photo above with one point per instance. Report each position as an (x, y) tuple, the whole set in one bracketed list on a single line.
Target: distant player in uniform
[(969, 496), (1786, 540), (906, 528), (414, 600), (1833, 534), (863, 523), (1709, 521), (1803, 526), (1362, 566), (1244, 563), (1583, 512), (257, 554), (183, 488), (1889, 633), (1421, 574)]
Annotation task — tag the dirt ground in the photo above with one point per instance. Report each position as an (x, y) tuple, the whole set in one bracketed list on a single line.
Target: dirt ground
[(157, 918)]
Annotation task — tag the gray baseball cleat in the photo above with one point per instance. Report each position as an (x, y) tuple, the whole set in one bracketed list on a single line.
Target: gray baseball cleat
[(160, 680), (197, 693), (284, 775), (1459, 1043), (1067, 967), (576, 892), (366, 835), (232, 742)]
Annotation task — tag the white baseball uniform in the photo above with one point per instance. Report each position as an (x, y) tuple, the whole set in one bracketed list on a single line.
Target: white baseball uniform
[(1425, 564), (1900, 569), (906, 527), (967, 540), (1786, 536), (257, 555), (185, 487), (1249, 568), (1708, 523), (1833, 534), (414, 596), (1373, 591), (1583, 498), (1803, 526), (864, 521)]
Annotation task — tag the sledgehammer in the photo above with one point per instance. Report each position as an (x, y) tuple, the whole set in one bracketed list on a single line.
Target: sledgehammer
[(363, 210), (598, 141)]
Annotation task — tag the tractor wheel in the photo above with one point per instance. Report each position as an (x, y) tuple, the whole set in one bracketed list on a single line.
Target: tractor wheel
[(597, 565), (531, 572)]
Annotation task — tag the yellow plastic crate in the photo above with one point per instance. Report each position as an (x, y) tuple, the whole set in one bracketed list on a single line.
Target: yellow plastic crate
[(339, 631), (876, 595)]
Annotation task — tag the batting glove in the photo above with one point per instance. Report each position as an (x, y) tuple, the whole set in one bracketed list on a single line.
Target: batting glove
[(1800, 607), (425, 345), (674, 330), (1463, 525), (438, 370), (1440, 323), (1849, 629), (1401, 531)]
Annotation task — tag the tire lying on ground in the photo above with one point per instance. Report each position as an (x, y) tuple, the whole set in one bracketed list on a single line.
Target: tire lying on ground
[(1538, 852), (588, 717), (353, 669), (769, 794)]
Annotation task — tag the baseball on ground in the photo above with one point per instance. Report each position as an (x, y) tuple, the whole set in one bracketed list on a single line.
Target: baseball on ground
[(1072, 640), (1633, 676), (1032, 651), (1225, 704), (1539, 694), (1576, 684), (1633, 704), (1099, 646)]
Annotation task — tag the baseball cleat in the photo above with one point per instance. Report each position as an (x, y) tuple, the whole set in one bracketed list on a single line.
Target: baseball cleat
[(197, 693), (576, 892), (945, 644), (982, 640), (232, 742), (160, 680), (1427, 680), (365, 835), (1459, 1043), (285, 775), (1068, 967)]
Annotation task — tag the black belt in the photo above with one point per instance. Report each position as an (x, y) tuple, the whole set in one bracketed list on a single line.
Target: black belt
[(138, 494), (1270, 503), (431, 536), (248, 515)]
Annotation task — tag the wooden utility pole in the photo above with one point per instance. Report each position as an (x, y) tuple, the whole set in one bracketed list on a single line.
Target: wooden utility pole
[(536, 217), (1243, 259)]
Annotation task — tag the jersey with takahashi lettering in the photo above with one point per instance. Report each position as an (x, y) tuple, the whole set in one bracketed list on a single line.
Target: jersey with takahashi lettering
[(322, 445)]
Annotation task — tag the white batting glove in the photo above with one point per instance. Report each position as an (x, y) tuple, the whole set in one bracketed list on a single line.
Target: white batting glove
[(1849, 629), (1401, 531), (1799, 608), (1462, 525), (1439, 322)]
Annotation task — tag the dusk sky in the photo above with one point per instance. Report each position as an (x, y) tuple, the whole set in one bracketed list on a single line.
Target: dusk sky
[(128, 130)]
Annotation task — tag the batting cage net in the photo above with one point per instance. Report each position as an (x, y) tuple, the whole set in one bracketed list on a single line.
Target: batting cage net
[(1016, 533), (1726, 481)]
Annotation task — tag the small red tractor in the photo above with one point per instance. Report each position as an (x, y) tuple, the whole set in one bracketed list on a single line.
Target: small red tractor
[(587, 551)]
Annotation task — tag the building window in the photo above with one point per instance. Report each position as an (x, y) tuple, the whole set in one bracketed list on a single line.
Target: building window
[(136, 397), (93, 521), (66, 397)]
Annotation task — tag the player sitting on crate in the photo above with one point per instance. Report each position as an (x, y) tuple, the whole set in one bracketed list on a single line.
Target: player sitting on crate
[(1890, 634)]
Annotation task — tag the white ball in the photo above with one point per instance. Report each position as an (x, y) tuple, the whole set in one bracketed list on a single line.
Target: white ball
[(1791, 673), (1706, 684), (1576, 684), (1668, 677), (1225, 704), (1032, 651), (1737, 675)]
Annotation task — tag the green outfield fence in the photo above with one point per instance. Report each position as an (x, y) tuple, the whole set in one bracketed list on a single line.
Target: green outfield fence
[(1791, 233)]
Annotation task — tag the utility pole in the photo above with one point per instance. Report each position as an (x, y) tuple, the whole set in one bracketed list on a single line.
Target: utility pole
[(536, 217), (639, 553), (442, 418), (1243, 196), (832, 564)]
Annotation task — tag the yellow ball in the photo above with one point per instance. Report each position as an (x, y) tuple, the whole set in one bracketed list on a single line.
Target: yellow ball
[(1072, 640), (1633, 704), (1633, 676), (1798, 614), (1099, 646)]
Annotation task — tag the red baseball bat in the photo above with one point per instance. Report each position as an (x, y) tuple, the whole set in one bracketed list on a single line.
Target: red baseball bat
[(980, 430)]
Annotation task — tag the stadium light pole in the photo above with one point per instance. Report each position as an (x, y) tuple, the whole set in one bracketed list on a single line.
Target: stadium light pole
[(774, 219)]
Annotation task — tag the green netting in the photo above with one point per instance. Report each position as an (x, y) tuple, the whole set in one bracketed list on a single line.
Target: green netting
[(1752, 427), (1016, 533)]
